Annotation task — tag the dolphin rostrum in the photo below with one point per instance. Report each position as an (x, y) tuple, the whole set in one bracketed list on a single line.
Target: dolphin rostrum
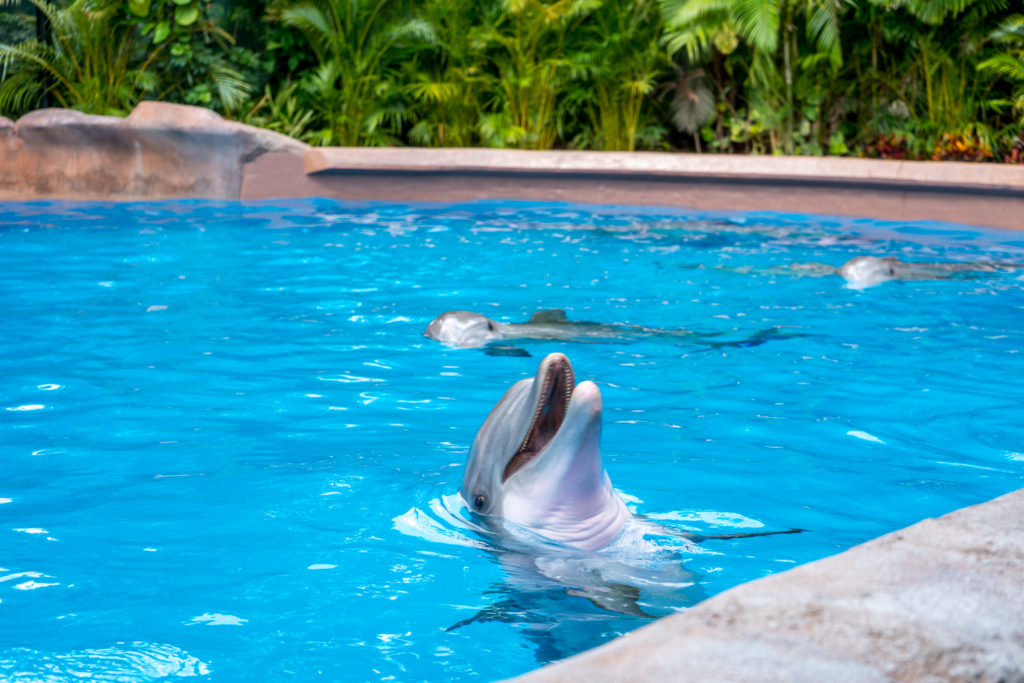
[(468, 330), (535, 467)]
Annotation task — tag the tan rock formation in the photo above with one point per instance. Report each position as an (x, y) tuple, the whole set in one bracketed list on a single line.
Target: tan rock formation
[(159, 151)]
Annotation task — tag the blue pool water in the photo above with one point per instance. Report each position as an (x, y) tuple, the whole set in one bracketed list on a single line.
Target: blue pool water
[(227, 450)]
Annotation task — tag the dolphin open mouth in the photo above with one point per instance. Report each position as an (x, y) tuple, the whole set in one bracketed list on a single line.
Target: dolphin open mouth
[(552, 405)]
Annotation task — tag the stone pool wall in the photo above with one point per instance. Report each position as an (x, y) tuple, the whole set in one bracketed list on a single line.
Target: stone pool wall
[(942, 600), (163, 151)]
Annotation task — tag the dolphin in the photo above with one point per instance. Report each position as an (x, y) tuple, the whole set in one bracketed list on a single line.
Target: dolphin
[(468, 330), (536, 462), (535, 467), (536, 486), (867, 271)]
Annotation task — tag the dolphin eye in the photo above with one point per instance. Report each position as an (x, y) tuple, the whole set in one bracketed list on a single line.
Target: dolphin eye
[(479, 502), (490, 326)]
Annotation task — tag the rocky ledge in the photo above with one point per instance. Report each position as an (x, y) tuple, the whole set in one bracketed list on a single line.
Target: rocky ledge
[(159, 151)]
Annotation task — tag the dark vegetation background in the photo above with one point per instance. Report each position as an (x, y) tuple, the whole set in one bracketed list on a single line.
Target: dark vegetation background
[(916, 79)]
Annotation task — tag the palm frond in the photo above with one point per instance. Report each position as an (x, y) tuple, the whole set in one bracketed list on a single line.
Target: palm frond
[(759, 22), (232, 88), (681, 14), (20, 93)]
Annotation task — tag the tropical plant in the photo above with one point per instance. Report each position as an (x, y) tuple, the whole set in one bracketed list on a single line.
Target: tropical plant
[(446, 77), (103, 56), (916, 79), (359, 46), (201, 63), (282, 112), (923, 79), (1009, 64), (90, 65), (528, 40), (15, 26), (779, 53), (617, 62)]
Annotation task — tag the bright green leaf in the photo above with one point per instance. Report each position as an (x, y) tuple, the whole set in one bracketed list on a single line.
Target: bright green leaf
[(161, 32), (186, 15), (139, 8)]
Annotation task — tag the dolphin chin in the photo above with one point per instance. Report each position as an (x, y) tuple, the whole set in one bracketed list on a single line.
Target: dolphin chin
[(536, 462)]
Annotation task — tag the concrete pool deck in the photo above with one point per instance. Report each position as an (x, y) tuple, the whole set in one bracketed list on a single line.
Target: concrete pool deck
[(165, 151), (941, 600)]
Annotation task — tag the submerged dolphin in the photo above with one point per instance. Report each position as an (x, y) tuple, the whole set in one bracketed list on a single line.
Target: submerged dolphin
[(468, 330), (868, 271)]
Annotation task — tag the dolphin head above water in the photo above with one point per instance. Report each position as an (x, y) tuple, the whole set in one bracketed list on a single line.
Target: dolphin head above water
[(868, 271), (536, 462), (464, 329)]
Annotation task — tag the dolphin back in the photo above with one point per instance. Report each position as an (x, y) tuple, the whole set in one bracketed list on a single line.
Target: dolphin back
[(551, 316)]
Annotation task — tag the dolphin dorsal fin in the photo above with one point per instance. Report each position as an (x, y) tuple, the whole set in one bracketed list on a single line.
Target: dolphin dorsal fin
[(552, 315)]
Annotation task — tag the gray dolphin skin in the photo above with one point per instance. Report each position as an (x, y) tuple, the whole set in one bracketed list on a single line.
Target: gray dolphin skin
[(536, 462), (867, 271), (468, 330)]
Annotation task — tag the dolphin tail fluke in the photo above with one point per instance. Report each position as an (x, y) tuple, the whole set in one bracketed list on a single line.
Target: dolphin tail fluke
[(755, 339), (723, 537), (503, 350), (506, 611)]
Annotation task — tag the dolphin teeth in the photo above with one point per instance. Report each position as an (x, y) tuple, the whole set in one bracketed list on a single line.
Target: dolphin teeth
[(547, 417)]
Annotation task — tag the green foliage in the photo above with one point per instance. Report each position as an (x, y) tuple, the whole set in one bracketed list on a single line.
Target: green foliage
[(618, 64), (446, 79), (357, 44), (15, 26), (784, 70), (283, 112), (528, 41), (89, 66), (200, 63), (909, 79), (1009, 64), (105, 55)]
